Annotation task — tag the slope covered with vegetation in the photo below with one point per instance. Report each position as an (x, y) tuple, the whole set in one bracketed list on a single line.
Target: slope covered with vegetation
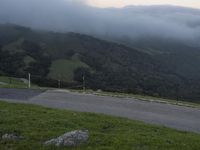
[(51, 56), (37, 124), (63, 69)]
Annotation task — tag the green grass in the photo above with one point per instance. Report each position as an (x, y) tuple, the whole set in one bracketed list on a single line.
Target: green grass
[(64, 69), (37, 124), (12, 82)]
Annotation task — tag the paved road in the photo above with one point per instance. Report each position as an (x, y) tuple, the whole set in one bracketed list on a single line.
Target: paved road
[(18, 94), (178, 117)]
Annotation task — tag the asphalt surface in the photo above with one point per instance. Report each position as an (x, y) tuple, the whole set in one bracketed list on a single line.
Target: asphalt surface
[(18, 94), (178, 117)]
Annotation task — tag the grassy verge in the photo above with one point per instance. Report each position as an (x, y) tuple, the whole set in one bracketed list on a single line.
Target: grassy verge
[(141, 97), (37, 124), (10, 82)]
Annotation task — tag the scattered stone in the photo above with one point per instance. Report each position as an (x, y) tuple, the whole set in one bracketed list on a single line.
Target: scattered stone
[(12, 137), (70, 139)]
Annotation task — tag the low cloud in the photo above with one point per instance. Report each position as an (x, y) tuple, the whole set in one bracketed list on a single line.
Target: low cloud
[(170, 22)]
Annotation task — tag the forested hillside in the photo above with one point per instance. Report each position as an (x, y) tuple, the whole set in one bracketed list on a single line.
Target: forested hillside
[(51, 56)]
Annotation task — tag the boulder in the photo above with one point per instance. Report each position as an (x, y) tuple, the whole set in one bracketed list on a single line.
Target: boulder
[(12, 137), (69, 139)]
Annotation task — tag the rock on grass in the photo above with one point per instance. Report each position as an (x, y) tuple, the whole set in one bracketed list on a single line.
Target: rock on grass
[(70, 139), (11, 137)]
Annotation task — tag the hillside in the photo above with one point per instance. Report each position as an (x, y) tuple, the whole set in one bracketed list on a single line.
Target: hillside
[(37, 124), (183, 57), (51, 56)]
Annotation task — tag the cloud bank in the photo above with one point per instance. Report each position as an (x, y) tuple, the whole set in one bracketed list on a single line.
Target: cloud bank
[(170, 22)]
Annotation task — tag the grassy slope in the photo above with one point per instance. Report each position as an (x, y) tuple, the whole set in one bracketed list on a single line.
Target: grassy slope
[(37, 124), (63, 69), (12, 82)]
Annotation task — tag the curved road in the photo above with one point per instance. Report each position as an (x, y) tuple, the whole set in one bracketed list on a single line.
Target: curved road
[(178, 117)]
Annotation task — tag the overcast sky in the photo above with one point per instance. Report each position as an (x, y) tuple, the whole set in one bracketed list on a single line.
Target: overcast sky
[(121, 3), (126, 23)]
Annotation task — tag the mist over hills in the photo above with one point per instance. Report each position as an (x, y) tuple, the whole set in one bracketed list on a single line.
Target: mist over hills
[(133, 22)]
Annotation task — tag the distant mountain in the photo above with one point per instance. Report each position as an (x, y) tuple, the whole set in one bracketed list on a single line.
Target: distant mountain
[(154, 67)]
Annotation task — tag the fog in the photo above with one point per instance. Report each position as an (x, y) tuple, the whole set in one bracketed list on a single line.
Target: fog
[(170, 22)]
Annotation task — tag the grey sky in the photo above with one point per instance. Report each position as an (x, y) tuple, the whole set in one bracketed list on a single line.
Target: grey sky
[(132, 22)]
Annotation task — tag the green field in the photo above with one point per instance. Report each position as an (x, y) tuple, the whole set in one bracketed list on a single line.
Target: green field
[(37, 124), (10, 82), (63, 69)]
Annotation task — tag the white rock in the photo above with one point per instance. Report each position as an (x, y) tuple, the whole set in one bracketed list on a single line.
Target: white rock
[(13, 137), (70, 139)]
